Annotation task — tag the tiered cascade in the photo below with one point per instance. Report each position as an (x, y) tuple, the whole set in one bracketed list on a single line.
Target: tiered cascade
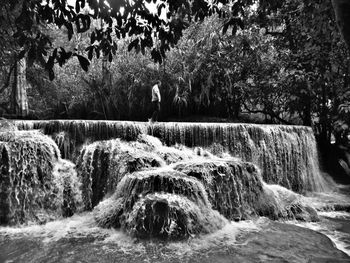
[(286, 155), (180, 181)]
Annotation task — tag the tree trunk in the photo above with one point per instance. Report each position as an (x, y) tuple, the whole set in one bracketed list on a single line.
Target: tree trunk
[(342, 14), (19, 100), (105, 71)]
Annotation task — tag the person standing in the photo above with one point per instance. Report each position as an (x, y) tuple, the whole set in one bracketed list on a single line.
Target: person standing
[(156, 99)]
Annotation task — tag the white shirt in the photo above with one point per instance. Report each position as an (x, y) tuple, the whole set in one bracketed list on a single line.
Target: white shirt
[(155, 93)]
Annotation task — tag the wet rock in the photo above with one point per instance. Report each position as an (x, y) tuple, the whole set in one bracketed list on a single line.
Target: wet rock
[(290, 205), (66, 145), (149, 142), (287, 155), (160, 203), (169, 216), (175, 154), (236, 190), (138, 185), (109, 212), (233, 187), (159, 215), (102, 164), (30, 191), (161, 180), (68, 194)]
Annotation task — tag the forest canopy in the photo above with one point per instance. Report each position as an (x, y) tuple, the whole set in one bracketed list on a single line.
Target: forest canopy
[(262, 61)]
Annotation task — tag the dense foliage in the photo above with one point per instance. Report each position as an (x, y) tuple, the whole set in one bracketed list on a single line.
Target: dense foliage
[(288, 64)]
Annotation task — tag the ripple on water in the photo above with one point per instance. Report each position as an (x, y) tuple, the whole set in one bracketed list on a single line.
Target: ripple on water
[(335, 225), (78, 239)]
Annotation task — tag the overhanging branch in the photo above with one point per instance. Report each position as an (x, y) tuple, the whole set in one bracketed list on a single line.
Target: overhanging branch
[(270, 113)]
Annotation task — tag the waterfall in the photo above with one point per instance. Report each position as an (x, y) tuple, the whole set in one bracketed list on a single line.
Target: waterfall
[(195, 197), (161, 215), (234, 187), (102, 164), (237, 191), (36, 185), (159, 203), (286, 155), (131, 178)]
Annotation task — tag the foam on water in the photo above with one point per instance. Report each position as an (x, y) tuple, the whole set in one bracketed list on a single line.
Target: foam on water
[(335, 214), (77, 226), (83, 226), (227, 236), (339, 199), (78, 239)]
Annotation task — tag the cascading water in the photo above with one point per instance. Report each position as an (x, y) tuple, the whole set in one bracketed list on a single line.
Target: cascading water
[(101, 165), (236, 190), (159, 203), (137, 184), (71, 134), (203, 183), (36, 185), (286, 155)]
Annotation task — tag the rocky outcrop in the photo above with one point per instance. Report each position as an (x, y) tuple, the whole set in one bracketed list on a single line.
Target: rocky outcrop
[(32, 188), (237, 191), (152, 190), (102, 164), (195, 197), (159, 203), (286, 155)]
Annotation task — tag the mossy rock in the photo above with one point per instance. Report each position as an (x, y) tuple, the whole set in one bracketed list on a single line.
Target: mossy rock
[(29, 179), (159, 215), (102, 164), (237, 191)]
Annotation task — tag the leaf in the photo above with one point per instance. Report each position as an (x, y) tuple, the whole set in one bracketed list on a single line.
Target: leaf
[(50, 63), (133, 44), (160, 7), (97, 51), (93, 37), (82, 23), (84, 62), (77, 6), (224, 29), (90, 52), (51, 74), (69, 27)]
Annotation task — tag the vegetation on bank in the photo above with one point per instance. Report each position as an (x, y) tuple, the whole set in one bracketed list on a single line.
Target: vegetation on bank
[(255, 61)]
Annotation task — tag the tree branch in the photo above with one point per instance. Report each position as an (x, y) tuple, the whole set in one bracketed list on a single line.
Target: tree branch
[(271, 114)]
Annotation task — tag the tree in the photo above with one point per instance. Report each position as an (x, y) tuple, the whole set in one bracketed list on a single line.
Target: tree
[(13, 64), (342, 12), (158, 30), (161, 30)]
